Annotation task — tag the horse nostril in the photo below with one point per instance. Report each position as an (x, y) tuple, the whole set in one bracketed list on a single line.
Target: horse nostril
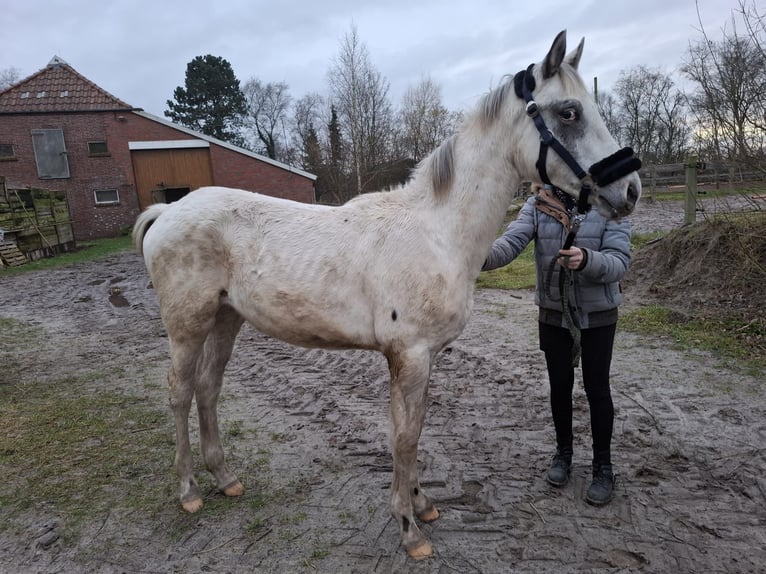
[(632, 194)]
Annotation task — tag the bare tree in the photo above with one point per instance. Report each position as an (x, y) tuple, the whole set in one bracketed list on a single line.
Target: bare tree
[(268, 107), (307, 116), (609, 109), (651, 114), (424, 122), (360, 95), (674, 132), (729, 101), (8, 77)]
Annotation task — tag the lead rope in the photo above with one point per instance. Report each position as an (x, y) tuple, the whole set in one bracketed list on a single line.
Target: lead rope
[(566, 278), (565, 282)]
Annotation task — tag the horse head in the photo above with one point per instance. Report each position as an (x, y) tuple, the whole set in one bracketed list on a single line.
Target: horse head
[(576, 152)]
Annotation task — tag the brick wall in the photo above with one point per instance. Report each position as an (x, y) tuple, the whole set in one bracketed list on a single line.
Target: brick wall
[(86, 174), (232, 169), (115, 171)]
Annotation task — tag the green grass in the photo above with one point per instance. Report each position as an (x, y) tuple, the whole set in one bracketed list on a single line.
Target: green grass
[(81, 452), (86, 251), (520, 274), (742, 345), (71, 446)]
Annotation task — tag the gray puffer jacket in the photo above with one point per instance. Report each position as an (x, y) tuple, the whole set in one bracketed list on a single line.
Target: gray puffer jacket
[(595, 290)]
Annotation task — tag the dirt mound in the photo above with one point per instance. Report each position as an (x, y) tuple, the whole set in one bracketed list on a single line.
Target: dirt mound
[(714, 268)]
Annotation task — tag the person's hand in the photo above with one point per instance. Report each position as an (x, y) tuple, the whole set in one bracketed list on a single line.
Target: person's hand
[(572, 258)]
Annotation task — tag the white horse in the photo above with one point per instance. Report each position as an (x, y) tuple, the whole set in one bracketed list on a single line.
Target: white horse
[(390, 271)]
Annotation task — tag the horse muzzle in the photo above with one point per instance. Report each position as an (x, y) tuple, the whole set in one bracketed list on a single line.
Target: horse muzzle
[(616, 179)]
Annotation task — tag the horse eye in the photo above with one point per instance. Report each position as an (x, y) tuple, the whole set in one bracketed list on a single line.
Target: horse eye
[(569, 115)]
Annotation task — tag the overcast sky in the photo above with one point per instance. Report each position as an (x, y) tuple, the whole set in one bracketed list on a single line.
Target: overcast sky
[(138, 49)]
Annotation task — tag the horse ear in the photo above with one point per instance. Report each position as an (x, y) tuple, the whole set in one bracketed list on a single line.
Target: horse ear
[(573, 58), (555, 56)]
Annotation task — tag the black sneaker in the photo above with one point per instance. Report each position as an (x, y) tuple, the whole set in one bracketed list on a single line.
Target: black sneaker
[(601, 489), (558, 473)]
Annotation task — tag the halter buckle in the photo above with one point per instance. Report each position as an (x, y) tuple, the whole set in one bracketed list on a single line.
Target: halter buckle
[(532, 109)]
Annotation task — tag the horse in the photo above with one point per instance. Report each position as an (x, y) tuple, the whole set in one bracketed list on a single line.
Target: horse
[(390, 271)]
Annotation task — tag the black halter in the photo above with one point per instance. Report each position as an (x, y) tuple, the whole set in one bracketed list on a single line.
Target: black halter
[(603, 172)]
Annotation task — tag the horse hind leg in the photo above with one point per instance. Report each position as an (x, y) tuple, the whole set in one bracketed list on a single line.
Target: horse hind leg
[(216, 353), (189, 327), (410, 372), (181, 388)]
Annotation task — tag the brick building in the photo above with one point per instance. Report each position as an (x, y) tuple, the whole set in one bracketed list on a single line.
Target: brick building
[(60, 131)]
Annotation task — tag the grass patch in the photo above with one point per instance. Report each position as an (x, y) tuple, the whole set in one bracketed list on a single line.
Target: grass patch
[(17, 335), (742, 345), (81, 452), (86, 251), (639, 240), (71, 448), (520, 274)]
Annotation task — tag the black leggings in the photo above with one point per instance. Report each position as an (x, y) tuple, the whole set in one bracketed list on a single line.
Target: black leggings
[(556, 343)]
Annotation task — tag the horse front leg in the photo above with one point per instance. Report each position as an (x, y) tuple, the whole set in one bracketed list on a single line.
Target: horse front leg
[(410, 371), (216, 354)]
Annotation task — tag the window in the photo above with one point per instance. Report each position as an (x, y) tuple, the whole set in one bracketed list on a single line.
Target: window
[(50, 154), (7, 152), (107, 196), (97, 149)]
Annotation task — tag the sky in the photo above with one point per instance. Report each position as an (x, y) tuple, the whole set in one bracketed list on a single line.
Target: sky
[(138, 49)]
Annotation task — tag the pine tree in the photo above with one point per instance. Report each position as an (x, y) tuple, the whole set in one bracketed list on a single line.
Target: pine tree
[(211, 102)]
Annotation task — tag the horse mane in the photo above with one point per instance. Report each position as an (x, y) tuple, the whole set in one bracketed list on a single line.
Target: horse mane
[(443, 166), (492, 102), (441, 162)]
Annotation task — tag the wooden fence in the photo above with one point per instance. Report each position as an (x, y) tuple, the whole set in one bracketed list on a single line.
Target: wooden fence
[(34, 223), (716, 175), (695, 177)]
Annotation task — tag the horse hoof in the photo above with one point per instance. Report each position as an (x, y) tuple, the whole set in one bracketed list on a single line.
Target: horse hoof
[(192, 505), (429, 515), (234, 489), (421, 551)]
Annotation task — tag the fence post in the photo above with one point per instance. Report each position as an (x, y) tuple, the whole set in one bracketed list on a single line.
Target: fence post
[(690, 211)]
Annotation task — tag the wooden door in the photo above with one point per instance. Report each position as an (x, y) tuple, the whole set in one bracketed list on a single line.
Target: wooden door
[(158, 169)]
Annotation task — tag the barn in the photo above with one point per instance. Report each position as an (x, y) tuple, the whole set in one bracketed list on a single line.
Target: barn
[(62, 132)]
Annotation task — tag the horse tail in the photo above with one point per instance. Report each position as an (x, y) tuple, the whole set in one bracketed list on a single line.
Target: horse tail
[(144, 222)]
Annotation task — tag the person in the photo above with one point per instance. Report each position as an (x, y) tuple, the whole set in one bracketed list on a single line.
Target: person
[(595, 264)]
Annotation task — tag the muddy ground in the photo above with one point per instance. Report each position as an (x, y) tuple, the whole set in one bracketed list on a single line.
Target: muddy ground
[(688, 448)]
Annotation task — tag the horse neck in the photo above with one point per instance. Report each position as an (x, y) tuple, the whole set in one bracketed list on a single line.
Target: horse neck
[(472, 210)]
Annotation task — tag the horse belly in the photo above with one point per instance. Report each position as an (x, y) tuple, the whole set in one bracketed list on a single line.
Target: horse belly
[(303, 321)]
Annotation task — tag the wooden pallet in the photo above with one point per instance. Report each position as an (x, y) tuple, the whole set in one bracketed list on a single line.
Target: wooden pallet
[(10, 254)]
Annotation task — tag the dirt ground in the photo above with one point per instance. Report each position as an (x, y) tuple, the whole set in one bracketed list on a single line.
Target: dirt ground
[(688, 447)]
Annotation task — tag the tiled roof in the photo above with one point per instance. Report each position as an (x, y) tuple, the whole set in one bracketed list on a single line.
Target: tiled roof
[(57, 88)]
